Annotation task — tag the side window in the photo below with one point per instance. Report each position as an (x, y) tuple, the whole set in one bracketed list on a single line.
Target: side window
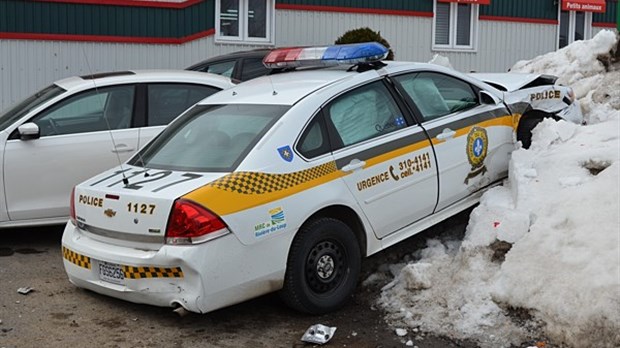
[(167, 101), (455, 26), (365, 113), (224, 68), (314, 141), (95, 110), (436, 95), (252, 68)]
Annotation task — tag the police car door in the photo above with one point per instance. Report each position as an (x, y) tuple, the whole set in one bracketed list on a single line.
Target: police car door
[(387, 162), (471, 139)]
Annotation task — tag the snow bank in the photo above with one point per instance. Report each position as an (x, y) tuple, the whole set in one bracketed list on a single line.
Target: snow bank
[(576, 65), (541, 255)]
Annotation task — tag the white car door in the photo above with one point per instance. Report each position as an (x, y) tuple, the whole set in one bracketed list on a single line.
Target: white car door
[(471, 140), (389, 165), (75, 143)]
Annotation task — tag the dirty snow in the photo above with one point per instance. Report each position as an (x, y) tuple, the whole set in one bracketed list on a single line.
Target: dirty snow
[(541, 256)]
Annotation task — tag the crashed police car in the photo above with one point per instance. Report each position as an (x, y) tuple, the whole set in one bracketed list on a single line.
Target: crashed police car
[(285, 182)]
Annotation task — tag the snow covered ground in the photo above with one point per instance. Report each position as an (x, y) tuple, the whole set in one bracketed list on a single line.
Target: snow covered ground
[(557, 216)]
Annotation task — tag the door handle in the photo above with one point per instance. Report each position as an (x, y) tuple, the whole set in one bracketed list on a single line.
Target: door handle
[(446, 134), (120, 148), (353, 165)]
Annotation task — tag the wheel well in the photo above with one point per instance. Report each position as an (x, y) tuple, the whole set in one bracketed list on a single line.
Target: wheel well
[(350, 218), (538, 114)]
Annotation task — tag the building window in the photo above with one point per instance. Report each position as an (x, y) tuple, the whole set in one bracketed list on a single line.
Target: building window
[(574, 26), (455, 26), (247, 21)]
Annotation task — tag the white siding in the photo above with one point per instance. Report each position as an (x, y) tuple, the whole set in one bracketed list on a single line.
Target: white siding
[(410, 37), (595, 30), (27, 66), (501, 44)]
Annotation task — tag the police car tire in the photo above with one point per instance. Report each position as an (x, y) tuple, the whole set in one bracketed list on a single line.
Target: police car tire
[(308, 288), (524, 131)]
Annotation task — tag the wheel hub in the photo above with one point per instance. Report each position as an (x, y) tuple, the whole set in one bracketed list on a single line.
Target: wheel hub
[(325, 266)]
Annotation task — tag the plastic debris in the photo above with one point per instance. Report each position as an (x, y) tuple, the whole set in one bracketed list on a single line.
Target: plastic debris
[(401, 332), (318, 334), (409, 343), (25, 290)]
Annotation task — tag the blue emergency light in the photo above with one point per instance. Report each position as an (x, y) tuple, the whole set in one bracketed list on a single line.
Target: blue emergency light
[(325, 56)]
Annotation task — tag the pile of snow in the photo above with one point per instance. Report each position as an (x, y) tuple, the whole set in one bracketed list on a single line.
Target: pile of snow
[(557, 216), (578, 65)]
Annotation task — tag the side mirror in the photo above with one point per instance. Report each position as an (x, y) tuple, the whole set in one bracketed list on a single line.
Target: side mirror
[(488, 98), (28, 131)]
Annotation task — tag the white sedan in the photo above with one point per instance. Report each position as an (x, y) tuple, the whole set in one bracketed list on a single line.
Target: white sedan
[(80, 126), (286, 181)]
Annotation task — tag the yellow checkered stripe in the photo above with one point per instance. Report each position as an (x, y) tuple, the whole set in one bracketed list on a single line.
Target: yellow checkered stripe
[(75, 258), (132, 272), (253, 183)]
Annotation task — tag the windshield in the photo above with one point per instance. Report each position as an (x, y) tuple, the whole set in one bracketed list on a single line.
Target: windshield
[(210, 138), (21, 109)]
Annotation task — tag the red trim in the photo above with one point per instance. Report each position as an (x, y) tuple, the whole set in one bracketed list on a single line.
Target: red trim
[(106, 38), (519, 20), (604, 25), (584, 5), (353, 10), (136, 3), (480, 2)]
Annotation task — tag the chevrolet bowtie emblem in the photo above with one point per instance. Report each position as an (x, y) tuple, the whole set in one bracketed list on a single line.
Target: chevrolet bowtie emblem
[(109, 213)]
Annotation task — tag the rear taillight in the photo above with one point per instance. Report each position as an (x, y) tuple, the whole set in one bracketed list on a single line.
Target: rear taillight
[(190, 223), (72, 208)]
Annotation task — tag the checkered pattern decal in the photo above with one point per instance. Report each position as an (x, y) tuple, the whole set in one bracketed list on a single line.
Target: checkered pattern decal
[(75, 258), (253, 183), (132, 272)]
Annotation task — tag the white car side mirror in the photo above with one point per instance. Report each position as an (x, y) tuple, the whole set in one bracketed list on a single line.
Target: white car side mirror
[(488, 98), (28, 131)]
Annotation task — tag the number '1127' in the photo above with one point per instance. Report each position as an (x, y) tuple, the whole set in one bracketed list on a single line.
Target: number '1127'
[(140, 208)]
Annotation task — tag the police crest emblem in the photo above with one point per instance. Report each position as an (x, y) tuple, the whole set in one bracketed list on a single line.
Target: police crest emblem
[(477, 146), (286, 153)]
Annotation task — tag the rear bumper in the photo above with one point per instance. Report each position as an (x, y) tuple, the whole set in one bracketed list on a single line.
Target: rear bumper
[(201, 278)]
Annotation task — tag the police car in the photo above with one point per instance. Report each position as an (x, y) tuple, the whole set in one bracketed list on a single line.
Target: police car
[(283, 183)]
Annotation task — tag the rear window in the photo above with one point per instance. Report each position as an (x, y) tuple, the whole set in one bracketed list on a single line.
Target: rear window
[(210, 138)]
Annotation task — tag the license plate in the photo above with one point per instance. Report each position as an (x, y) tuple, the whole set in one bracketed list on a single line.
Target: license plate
[(111, 272)]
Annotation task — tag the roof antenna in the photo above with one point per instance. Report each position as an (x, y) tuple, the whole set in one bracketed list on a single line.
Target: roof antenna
[(272, 87), (118, 157)]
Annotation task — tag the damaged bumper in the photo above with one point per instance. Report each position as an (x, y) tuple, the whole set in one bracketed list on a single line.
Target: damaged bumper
[(193, 277)]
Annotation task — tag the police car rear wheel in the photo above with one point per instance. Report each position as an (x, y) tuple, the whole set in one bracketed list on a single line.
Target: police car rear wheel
[(323, 267)]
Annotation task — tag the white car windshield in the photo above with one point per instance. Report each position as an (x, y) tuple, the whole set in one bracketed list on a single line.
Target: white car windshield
[(21, 109), (210, 138)]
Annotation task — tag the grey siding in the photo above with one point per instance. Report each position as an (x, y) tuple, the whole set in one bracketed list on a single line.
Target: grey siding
[(27, 65), (501, 44), (410, 37)]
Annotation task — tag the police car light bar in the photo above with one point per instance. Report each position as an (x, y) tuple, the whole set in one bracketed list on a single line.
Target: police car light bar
[(325, 56)]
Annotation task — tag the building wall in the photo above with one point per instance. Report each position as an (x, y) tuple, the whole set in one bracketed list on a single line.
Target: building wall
[(43, 41), (29, 65), (498, 46)]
